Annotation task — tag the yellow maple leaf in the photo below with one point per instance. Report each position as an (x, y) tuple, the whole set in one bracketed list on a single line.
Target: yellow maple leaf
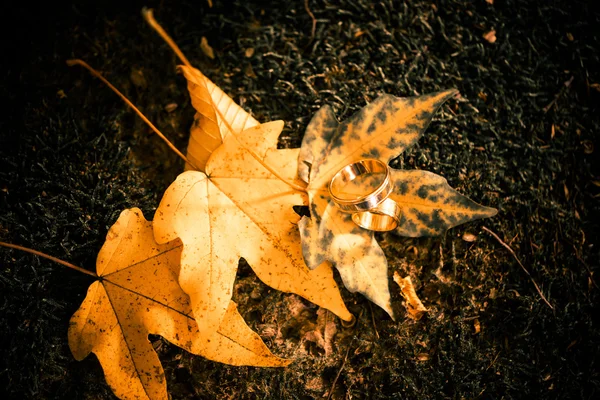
[(240, 209), (138, 294), (236, 202), (381, 130)]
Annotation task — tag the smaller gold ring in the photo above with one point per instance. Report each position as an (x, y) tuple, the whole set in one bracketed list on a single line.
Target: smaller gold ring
[(352, 171), (385, 217)]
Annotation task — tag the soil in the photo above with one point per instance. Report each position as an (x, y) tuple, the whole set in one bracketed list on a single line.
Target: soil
[(523, 137)]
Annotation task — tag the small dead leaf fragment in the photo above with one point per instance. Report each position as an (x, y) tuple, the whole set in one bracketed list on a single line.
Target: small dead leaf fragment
[(477, 326), (138, 79), (249, 52), (469, 237), (171, 107), (415, 308), (324, 331), (570, 36), (139, 295), (489, 1), (490, 36), (423, 356), (206, 49), (595, 86)]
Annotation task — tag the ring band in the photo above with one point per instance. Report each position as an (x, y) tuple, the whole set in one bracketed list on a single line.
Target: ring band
[(385, 217), (352, 171)]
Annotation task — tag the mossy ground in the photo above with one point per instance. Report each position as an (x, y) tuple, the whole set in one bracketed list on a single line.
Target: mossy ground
[(522, 138)]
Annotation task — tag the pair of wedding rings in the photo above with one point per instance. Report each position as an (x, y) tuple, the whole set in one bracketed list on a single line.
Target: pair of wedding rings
[(373, 210)]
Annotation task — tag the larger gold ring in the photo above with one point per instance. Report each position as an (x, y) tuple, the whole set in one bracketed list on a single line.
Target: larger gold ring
[(350, 202)]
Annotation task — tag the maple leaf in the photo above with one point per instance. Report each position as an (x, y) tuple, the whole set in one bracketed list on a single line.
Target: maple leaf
[(242, 206), (381, 130), (240, 209), (138, 294)]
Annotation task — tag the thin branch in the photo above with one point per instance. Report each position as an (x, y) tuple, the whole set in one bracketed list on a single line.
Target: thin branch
[(338, 374), (312, 17), (566, 86), (521, 264), (70, 63), (345, 356), (58, 260), (148, 14), (373, 320)]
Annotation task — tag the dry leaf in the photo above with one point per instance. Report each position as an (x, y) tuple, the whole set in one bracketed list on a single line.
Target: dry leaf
[(490, 36), (206, 49), (414, 307), (217, 115), (469, 237), (240, 209), (324, 331), (381, 130), (138, 295)]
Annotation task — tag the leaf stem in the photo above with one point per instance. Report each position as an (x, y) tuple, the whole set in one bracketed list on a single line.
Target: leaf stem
[(70, 63), (148, 14), (58, 260)]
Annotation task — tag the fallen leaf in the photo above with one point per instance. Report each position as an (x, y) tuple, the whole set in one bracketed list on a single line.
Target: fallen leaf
[(171, 107), (324, 331), (477, 326), (138, 295), (241, 209), (381, 130), (217, 116), (206, 49), (469, 237), (414, 307), (490, 36)]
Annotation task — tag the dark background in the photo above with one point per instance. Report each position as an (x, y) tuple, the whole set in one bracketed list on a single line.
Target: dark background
[(72, 156)]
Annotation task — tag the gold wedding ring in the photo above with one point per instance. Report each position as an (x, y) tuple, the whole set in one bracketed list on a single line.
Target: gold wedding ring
[(374, 210), (383, 218)]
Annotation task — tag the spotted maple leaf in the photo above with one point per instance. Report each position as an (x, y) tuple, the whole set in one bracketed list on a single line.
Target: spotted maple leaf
[(382, 130)]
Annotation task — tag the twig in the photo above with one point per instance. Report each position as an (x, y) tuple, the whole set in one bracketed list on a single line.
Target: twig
[(587, 267), (57, 260), (345, 357), (314, 20), (521, 264), (373, 320), (338, 374), (557, 96), (97, 74)]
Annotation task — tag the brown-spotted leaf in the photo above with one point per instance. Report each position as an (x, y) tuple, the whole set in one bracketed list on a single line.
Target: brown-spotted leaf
[(217, 116), (240, 209), (430, 206), (138, 295), (381, 130)]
